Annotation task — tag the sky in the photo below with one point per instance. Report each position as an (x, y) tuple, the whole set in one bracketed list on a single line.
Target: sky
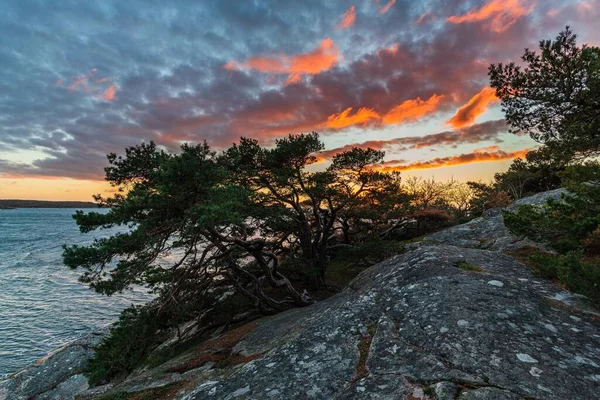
[(80, 79)]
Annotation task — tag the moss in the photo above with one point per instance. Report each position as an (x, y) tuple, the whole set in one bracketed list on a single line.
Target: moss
[(467, 266), (428, 391), (416, 239), (219, 351), (363, 349)]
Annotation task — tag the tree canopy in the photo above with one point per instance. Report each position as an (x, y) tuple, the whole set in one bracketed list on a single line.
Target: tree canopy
[(555, 96)]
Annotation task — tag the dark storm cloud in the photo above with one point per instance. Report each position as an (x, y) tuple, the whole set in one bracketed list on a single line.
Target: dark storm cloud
[(79, 80)]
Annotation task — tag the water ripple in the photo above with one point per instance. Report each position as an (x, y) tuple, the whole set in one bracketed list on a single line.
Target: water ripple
[(42, 304)]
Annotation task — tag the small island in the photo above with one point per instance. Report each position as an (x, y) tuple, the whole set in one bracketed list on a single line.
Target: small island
[(12, 204)]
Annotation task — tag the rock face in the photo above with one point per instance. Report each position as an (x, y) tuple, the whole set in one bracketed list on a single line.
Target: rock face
[(56, 376), (418, 326)]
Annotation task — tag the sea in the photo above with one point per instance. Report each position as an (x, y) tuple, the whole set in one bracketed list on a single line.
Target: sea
[(42, 303)]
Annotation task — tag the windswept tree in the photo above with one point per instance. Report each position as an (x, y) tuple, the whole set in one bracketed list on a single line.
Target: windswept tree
[(197, 219), (555, 96)]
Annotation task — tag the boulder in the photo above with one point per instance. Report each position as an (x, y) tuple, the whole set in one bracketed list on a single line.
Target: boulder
[(56, 376)]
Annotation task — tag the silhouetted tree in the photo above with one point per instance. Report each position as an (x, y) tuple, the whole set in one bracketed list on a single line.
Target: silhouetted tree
[(555, 97)]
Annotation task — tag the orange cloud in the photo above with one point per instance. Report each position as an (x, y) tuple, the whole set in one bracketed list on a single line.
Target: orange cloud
[(362, 116), (411, 110), (585, 7), (386, 8), (499, 14), (325, 56), (476, 106), (470, 158), (347, 19), (407, 111), (487, 149)]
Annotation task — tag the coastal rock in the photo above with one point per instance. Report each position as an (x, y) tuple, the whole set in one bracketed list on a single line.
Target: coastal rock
[(430, 322), (56, 376), (416, 326)]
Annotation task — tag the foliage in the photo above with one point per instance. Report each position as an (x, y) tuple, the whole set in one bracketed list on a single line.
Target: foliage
[(570, 226), (580, 274), (303, 212), (499, 199), (467, 266), (555, 98), (561, 223), (591, 244), (538, 172), (129, 341)]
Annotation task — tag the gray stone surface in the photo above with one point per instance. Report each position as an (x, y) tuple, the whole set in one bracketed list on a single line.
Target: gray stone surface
[(433, 323), (56, 376), (444, 390), (488, 393)]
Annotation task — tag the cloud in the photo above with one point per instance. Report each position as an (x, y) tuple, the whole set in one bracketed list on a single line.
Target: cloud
[(109, 93), (486, 131), (476, 106), (469, 158), (412, 110), (322, 58), (423, 17), (347, 19), (88, 83), (498, 15), (171, 87), (385, 8), (362, 116), (407, 111)]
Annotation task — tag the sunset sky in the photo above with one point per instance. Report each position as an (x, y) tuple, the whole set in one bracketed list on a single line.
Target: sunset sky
[(82, 79)]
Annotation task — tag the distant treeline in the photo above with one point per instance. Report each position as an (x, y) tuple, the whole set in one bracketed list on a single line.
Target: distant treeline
[(4, 204)]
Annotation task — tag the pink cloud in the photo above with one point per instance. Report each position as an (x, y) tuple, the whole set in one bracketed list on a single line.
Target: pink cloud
[(347, 19)]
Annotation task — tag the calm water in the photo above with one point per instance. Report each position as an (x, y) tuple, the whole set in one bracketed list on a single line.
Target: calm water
[(42, 305)]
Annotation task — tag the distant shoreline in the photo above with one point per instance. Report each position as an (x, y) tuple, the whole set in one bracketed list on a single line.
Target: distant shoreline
[(13, 204)]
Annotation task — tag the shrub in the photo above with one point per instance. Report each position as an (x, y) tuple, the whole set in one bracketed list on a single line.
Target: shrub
[(563, 224), (369, 253), (579, 274), (499, 199), (129, 341), (591, 244), (431, 218), (571, 226)]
